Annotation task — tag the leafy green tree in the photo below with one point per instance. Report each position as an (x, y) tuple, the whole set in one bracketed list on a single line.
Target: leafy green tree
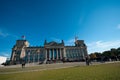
[(106, 53), (118, 51), (114, 52), (98, 55), (92, 56)]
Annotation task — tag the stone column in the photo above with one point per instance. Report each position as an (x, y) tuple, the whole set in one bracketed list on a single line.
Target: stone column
[(82, 53), (64, 52), (57, 53), (38, 52), (53, 53), (49, 55), (29, 57), (60, 53), (79, 54), (33, 57), (13, 56), (45, 54)]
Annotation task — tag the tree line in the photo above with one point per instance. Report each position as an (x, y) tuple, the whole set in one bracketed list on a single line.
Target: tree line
[(109, 55)]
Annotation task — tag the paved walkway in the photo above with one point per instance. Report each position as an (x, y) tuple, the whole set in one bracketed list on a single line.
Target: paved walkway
[(48, 66)]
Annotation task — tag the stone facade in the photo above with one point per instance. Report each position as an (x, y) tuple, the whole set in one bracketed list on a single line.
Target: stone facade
[(51, 52)]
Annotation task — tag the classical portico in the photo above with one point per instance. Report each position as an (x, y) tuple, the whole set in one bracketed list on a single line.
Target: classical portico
[(54, 51)]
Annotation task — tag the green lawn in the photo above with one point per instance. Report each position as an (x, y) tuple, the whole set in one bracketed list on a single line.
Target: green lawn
[(18, 69), (94, 72)]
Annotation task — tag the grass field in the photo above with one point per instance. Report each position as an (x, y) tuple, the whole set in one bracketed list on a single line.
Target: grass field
[(95, 72)]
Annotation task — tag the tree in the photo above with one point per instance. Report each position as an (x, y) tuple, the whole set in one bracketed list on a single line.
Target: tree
[(106, 53), (93, 56), (118, 51), (113, 52), (98, 55)]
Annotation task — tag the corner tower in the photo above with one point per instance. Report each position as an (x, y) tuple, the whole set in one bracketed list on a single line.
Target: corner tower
[(18, 51)]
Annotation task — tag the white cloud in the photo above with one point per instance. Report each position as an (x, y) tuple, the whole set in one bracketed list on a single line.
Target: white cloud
[(118, 26), (2, 59), (6, 34), (6, 55), (100, 46), (3, 34)]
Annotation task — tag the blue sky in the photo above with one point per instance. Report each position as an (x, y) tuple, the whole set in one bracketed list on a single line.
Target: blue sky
[(95, 21)]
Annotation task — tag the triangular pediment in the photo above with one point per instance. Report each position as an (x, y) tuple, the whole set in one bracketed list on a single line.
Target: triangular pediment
[(53, 43)]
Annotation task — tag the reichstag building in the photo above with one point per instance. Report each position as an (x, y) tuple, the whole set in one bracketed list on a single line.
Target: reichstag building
[(51, 52)]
